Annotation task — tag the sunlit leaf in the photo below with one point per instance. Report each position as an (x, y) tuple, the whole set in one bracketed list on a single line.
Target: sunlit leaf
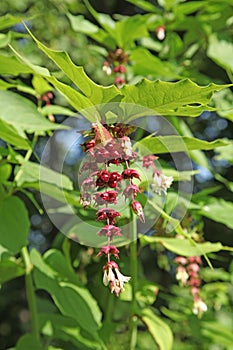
[(175, 143), (183, 98), (221, 51), (219, 210), (183, 246)]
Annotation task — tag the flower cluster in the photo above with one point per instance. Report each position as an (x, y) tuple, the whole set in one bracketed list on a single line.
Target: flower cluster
[(108, 146), (116, 64), (188, 275)]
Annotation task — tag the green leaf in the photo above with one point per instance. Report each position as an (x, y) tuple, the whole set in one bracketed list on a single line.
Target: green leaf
[(225, 153), (95, 93), (8, 21), (182, 246), (221, 51), (71, 299), (81, 25), (9, 134), (5, 39), (28, 341), (159, 330), (175, 143), (223, 101), (60, 327), (53, 109), (183, 98), (10, 269), (10, 65), (145, 5), (32, 172), (22, 114), (40, 85), (218, 210), (5, 171), (146, 64), (218, 333), (129, 29), (14, 224), (76, 99)]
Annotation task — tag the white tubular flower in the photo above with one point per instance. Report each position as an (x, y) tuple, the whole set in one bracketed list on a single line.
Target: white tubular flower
[(161, 182), (122, 279), (181, 275), (108, 276), (199, 307)]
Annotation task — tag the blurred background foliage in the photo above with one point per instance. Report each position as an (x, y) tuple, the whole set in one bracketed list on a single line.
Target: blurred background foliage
[(197, 45)]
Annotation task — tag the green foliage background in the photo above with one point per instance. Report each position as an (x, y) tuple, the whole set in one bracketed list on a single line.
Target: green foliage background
[(192, 67)]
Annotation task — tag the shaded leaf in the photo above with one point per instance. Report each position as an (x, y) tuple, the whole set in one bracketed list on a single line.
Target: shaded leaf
[(159, 330), (10, 269), (22, 114), (28, 341), (8, 21), (72, 300), (144, 63), (14, 224), (31, 172), (9, 134)]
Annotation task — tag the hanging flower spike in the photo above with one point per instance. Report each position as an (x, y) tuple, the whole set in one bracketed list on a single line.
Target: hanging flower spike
[(137, 208)]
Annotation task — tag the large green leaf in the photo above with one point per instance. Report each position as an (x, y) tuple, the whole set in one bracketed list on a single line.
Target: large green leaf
[(221, 51), (175, 143), (183, 98), (146, 64), (22, 114), (183, 246), (10, 269), (218, 210), (72, 300), (95, 93), (159, 330), (32, 172), (14, 224), (9, 134)]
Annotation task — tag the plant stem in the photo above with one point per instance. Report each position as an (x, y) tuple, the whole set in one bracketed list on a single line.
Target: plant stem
[(31, 294), (134, 273)]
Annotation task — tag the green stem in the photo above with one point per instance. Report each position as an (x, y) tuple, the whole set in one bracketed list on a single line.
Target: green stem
[(31, 293), (134, 274)]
